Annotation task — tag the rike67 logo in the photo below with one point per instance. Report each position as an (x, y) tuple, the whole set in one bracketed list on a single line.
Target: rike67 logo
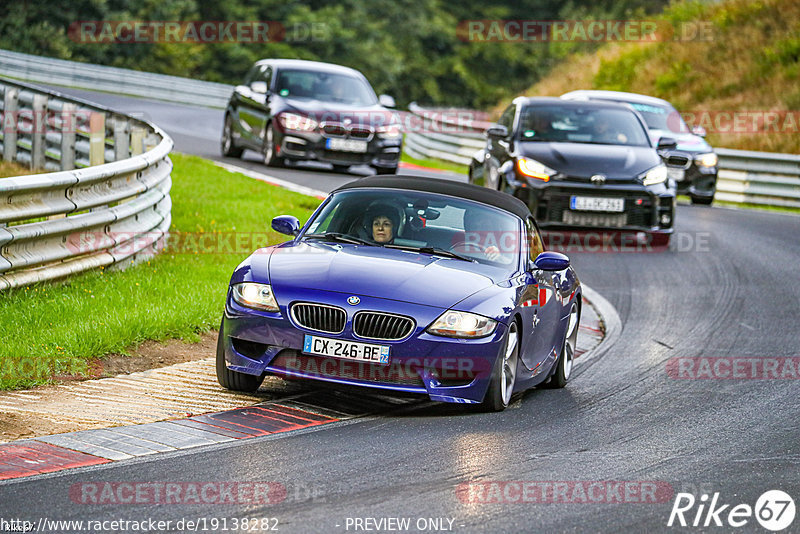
[(774, 510)]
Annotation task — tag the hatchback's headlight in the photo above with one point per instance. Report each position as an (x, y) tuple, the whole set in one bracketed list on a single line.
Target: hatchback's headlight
[(462, 324), (258, 296), (533, 169), (708, 159), (656, 175), (389, 131), (300, 123)]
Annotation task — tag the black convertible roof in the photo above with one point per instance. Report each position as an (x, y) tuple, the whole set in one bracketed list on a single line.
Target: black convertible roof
[(497, 199)]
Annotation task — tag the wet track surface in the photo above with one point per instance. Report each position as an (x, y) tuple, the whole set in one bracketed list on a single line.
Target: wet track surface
[(730, 291)]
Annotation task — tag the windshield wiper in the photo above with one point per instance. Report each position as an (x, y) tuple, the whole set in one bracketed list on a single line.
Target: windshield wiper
[(432, 250), (344, 238)]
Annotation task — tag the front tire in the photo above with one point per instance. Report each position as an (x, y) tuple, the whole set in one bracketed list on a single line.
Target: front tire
[(504, 375), (229, 148), (703, 201), (271, 158), (567, 357), (386, 170), (233, 380)]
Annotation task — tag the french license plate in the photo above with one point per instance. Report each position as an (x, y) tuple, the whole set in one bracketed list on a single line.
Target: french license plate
[(597, 204), (346, 350), (676, 174), (346, 145)]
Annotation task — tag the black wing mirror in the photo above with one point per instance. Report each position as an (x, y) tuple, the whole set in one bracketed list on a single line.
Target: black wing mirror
[(667, 143), (497, 131)]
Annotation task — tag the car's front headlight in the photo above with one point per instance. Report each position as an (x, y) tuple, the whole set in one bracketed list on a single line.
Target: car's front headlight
[(656, 175), (709, 159), (253, 295), (533, 169), (299, 123), (389, 131), (462, 324)]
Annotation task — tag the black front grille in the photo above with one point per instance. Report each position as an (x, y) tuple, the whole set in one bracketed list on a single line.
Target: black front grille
[(556, 208), (319, 317), (376, 325), (348, 157), (678, 161)]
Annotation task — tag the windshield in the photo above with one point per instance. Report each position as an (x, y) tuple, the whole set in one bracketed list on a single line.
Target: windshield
[(660, 117), (426, 222), (325, 86), (571, 124)]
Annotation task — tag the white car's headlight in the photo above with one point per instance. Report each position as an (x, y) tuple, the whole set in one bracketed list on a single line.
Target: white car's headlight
[(533, 169), (300, 123), (389, 131), (462, 324), (656, 175), (258, 296), (709, 159)]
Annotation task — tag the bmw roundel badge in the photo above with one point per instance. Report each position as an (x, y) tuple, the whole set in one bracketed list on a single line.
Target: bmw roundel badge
[(353, 300)]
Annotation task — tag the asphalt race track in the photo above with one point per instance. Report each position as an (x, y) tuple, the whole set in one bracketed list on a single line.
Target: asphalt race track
[(727, 288)]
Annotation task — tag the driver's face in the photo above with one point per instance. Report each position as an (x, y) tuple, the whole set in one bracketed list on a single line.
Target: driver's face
[(382, 229)]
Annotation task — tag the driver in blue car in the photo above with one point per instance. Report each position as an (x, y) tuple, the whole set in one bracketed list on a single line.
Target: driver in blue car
[(383, 222)]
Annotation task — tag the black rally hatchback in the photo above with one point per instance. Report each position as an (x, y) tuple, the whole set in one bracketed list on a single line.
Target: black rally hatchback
[(580, 165)]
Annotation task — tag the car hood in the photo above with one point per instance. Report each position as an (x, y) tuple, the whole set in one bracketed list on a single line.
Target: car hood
[(582, 160), (375, 272), (687, 142)]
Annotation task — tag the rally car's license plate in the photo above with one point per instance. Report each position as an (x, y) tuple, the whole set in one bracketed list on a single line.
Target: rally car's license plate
[(597, 204), (347, 350)]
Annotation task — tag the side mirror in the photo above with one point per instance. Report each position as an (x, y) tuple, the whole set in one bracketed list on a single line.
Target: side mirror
[(667, 143), (497, 131), (551, 261), (387, 101), (259, 88), (286, 224)]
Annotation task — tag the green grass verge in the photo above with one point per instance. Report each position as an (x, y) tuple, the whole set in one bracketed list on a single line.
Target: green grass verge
[(56, 328), (435, 164)]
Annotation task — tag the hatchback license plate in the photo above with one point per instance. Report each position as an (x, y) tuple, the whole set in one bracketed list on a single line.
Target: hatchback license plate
[(346, 145), (597, 204), (346, 350)]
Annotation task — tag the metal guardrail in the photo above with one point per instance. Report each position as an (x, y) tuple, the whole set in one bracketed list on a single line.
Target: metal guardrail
[(175, 89), (449, 134), (764, 178), (108, 201)]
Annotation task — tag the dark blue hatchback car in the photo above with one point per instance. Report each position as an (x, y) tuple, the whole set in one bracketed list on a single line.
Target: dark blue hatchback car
[(406, 284)]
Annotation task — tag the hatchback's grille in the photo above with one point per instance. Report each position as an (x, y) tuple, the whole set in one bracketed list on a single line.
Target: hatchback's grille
[(319, 317), (376, 325)]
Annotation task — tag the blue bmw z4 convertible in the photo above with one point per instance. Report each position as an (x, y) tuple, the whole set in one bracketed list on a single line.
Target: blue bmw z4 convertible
[(405, 284)]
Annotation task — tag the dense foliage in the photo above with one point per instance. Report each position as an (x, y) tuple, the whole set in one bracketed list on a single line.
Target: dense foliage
[(411, 49)]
